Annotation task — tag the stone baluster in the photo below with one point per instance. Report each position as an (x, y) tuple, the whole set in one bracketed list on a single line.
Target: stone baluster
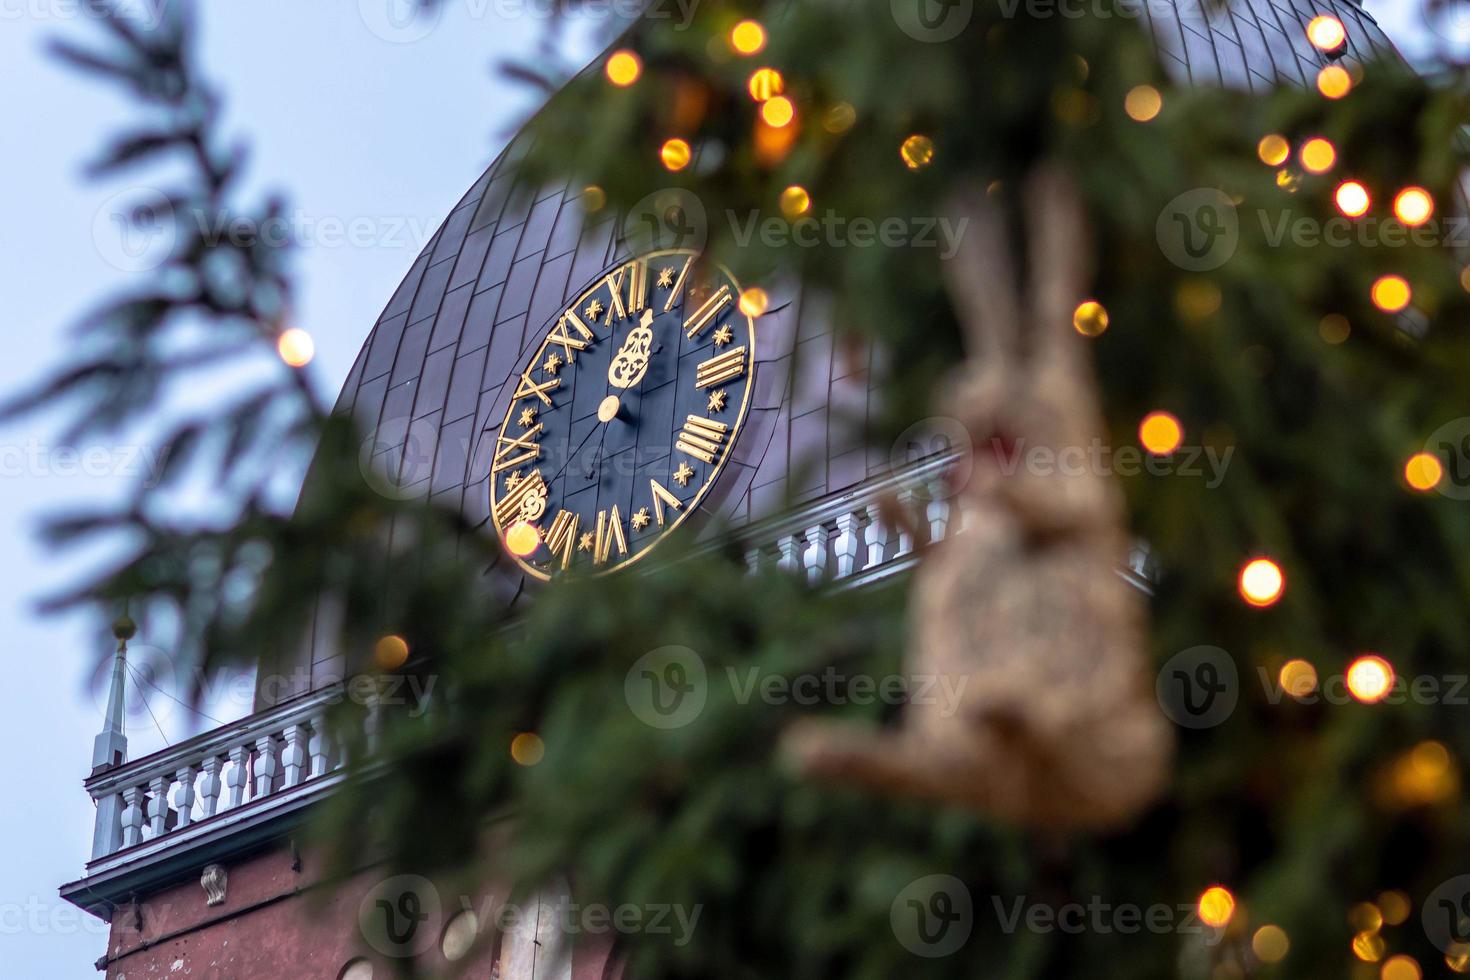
[(132, 817), (788, 546), (846, 544), (158, 804), (937, 511), (265, 766), (107, 829), (293, 760), (209, 785), (875, 536), (239, 756), (905, 532), (184, 795), (317, 746), (815, 557), (753, 560)]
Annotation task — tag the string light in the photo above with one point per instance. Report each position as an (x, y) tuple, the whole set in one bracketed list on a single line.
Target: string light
[(1160, 433), (1334, 82), (1288, 180), (1395, 907), (1273, 150), (1391, 294), (522, 539), (1326, 33), (795, 201), (1143, 103), (1368, 947), (1334, 328), (594, 198), (753, 301), (1423, 471), (623, 68), (1318, 155), (1365, 917), (917, 151), (1352, 199), (296, 347), (527, 749), (777, 111), (1413, 206), (839, 118), (1298, 678), (675, 154), (1270, 944), (1090, 318), (765, 83), (390, 652), (748, 37), (1457, 957), (1216, 906), (1369, 678), (1401, 967), (1261, 582)]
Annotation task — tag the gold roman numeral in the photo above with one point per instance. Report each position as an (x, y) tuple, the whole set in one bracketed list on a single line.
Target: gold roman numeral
[(527, 388), (701, 438), (614, 283), (637, 285), (706, 314), (509, 507), (526, 441), (559, 334), (678, 284), (662, 496), (609, 530), (562, 538), (720, 368)]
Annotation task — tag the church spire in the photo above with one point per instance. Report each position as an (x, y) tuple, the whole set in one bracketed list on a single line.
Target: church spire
[(110, 747)]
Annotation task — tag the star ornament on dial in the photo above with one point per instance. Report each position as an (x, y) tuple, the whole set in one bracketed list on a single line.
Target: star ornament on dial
[(622, 416)]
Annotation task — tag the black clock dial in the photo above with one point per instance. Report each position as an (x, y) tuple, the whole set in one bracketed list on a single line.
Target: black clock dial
[(622, 417)]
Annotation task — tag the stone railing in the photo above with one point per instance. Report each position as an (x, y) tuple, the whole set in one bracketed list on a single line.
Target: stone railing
[(272, 758)]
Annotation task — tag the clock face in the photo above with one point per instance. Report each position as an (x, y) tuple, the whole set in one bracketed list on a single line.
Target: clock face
[(623, 415)]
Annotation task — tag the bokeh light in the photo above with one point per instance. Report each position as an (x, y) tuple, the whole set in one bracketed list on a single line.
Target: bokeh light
[(1391, 294), (1216, 906), (777, 111), (675, 154), (522, 539), (1413, 206), (1270, 944), (748, 37), (1423, 471), (1369, 678), (1090, 318), (753, 301), (1143, 103), (1352, 199), (1326, 32), (296, 347), (1261, 582), (1401, 967), (1160, 433), (623, 68), (917, 151), (527, 749), (795, 201), (1334, 82), (1298, 678), (390, 652), (1273, 150), (765, 83), (1318, 155)]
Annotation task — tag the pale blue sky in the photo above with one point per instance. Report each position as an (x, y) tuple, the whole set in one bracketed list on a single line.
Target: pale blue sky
[(368, 124)]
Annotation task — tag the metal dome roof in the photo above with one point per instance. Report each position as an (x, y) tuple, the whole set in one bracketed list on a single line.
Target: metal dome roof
[(510, 256)]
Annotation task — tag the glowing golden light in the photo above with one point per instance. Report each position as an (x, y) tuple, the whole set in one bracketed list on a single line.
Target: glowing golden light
[(1090, 318), (795, 201), (1216, 906), (917, 151), (594, 198), (296, 347), (527, 749), (1365, 917), (1368, 947), (1326, 32), (1160, 433), (1465, 279), (390, 652), (675, 154), (1395, 907), (1413, 206), (753, 301), (1457, 957), (1334, 328), (1318, 155), (1288, 180), (1142, 103), (522, 539), (748, 37), (1369, 678), (1334, 82), (1273, 150), (1298, 678), (1401, 967), (1423, 471), (777, 111), (839, 118), (1261, 582), (765, 83), (1352, 199), (623, 68), (1270, 944), (1391, 293)]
